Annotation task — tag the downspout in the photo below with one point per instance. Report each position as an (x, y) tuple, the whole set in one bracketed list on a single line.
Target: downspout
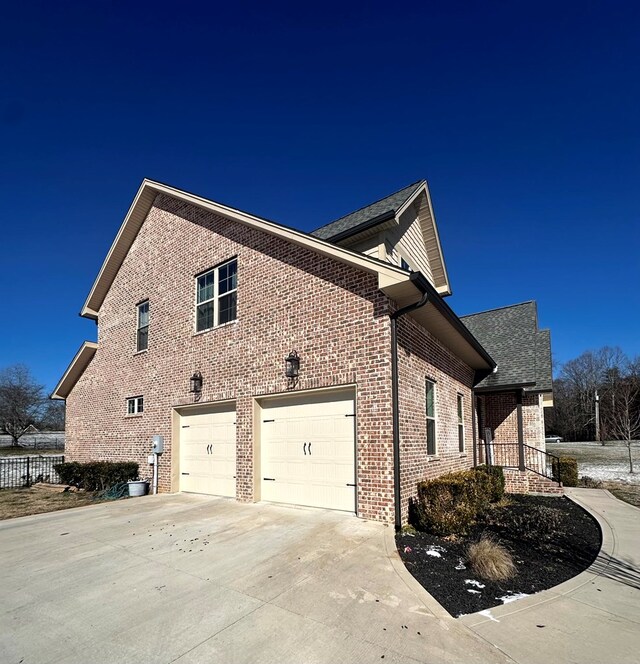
[(395, 400), (521, 459), (474, 426)]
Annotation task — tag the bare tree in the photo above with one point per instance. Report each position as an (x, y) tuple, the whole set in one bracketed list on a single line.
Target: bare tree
[(52, 418), (623, 415), (21, 401), (575, 390)]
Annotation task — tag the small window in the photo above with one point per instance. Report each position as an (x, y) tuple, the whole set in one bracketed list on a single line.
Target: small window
[(135, 405), (142, 337), (216, 296), (461, 422), (431, 417)]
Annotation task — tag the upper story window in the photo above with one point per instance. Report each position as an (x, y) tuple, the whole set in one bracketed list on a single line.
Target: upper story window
[(135, 406), (431, 417), (461, 422), (216, 296), (142, 334)]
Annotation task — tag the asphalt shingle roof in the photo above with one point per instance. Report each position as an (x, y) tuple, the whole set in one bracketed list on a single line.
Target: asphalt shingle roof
[(522, 352), (380, 209)]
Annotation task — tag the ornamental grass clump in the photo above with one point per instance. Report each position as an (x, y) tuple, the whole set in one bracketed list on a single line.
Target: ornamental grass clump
[(490, 561)]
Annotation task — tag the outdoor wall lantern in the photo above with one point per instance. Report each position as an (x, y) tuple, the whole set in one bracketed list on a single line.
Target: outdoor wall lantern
[(292, 367), (195, 383)]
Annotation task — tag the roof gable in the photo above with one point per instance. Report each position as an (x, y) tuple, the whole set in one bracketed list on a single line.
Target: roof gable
[(386, 215), (387, 274), (398, 284)]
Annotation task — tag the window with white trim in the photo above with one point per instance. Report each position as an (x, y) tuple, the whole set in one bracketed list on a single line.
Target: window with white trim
[(460, 422), (216, 296), (430, 412), (142, 332), (135, 405)]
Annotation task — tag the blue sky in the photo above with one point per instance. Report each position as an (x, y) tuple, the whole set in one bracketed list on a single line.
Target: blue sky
[(523, 117)]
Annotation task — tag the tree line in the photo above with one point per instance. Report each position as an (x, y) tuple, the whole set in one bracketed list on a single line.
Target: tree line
[(596, 396), (24, 403)]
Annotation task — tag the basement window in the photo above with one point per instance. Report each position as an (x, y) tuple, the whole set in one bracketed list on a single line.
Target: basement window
[(135, 405)]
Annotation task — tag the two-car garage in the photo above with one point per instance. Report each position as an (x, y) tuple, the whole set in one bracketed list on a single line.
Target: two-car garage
[(304, 449)]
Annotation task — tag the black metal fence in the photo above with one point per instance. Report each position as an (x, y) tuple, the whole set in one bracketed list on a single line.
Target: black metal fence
[(17, 472)]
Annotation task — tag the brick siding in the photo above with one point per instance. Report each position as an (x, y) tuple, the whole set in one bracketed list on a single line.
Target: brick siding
[(517, 481), (422, 356), (288, 298)]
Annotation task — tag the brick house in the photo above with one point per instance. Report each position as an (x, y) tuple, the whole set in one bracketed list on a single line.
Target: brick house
[(198, 305)]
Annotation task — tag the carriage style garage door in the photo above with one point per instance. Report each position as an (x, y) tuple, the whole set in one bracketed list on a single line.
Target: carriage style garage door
[(307, 450), (208, 450)]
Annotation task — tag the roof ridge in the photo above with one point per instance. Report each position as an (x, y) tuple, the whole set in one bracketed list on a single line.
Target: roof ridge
[(506, 306), (363, 207)]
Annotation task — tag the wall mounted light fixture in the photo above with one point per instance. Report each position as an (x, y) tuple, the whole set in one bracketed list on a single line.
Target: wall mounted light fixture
[(292, 367), (195, 383)]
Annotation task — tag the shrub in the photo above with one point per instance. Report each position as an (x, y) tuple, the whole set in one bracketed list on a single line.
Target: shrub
[(96, 475), (565, 470), (538, 523), (497, 481), (489, 560), (449, 504)]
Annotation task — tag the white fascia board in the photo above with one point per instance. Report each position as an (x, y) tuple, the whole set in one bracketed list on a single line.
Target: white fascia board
[(446, 289)]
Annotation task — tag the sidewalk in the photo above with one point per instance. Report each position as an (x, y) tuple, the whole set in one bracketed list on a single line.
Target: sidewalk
[(592, 618)]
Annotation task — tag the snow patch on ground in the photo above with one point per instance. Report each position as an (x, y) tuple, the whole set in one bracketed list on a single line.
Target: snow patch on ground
[(475, 592), (512, 597), (461, 564), (435, 551), (609, 462), (473, 582), (618, 472)]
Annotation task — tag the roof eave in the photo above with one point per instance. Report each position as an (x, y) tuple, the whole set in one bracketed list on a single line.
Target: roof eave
[(504, 388), (75, 369), (451, 316)]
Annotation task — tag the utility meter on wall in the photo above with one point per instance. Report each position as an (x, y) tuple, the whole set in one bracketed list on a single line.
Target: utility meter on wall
[(158, 445)]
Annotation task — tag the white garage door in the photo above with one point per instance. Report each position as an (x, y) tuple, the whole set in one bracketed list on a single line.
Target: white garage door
[(208, 451), (308, 451)]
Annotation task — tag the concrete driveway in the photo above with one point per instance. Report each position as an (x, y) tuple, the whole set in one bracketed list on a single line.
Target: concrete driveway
[(191, 579)]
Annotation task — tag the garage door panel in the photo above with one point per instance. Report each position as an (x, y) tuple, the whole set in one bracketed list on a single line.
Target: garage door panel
[(208, 452), (308, 451)]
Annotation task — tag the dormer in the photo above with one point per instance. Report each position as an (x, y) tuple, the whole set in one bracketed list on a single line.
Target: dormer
[(399, 229)]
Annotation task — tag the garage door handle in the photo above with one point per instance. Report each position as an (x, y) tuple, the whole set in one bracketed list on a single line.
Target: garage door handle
[(304, 448), (269, 479), (309, 448)]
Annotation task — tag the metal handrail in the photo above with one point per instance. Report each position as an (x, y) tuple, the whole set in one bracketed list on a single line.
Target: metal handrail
[(550, 460)]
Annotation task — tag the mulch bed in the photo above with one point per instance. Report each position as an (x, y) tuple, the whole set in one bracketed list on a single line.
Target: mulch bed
[(547, 548)]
